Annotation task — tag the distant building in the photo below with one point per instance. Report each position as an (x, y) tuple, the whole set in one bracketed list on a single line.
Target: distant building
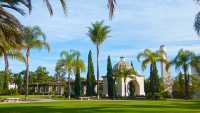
[(52, 87), (59, 87), (135, 82)]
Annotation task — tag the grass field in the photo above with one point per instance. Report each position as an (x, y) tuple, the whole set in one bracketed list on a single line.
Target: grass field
[(134, 106)]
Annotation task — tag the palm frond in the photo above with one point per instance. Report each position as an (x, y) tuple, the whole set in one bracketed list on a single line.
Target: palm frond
[(98, 32), (111, 7), (50, 8)]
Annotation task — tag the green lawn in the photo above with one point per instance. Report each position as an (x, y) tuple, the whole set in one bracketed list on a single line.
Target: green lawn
[(135, 106)]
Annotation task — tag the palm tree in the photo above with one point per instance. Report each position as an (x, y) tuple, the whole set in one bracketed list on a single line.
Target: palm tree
[(149, 57), (197, 21), (111, 7), (67, 61), (183, 61), (6, 54), (10, 27), (98, 32), (33, 38)]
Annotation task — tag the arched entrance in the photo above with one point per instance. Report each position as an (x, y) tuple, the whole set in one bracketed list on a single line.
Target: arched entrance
[(133, 88)]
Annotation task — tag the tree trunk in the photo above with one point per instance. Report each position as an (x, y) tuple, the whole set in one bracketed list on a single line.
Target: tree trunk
[(69, 87), (113, 88), (151, 82), (186, 83), (27, 71), (97, 71), (5, 85)]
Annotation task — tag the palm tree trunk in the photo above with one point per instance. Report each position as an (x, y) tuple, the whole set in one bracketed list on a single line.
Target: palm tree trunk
[(186, 83), (69, 87), (27, 71), (151, 91), (97, 71), (5, 85), (6, 62)]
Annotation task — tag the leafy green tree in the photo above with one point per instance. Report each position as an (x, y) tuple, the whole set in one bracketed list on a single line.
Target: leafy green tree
[(183, 61), (42, 75), (178, 86), (79, 67), (98, 32), (110, 79), (33, 38), (90, 76), (149, 57), (60, 71), (67, 62), (18, 79)]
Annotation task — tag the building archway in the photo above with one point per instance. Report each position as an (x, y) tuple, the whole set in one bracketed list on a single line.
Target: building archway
[(133, 88)]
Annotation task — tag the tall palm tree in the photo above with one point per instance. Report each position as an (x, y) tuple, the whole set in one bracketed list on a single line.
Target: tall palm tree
[(67, 61), (149, 57), (111, 7), (197, 21), (183, 61), (98, 32), (33, 37), (12, 54), (10, 25)]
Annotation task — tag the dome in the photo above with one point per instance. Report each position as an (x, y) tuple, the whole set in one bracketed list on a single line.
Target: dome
[(122, 64)]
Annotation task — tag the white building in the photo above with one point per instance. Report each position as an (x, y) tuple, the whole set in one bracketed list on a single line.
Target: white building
[(12, 86), (133, 82)]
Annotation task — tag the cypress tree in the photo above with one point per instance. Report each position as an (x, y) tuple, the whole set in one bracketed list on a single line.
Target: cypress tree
[(110, 77), (154, 81), (90, 76), (77, 87)]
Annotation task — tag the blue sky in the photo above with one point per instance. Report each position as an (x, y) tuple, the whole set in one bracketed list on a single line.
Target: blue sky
[(137, 24)]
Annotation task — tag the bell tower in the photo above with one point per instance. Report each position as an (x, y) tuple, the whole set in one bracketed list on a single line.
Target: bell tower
[(165, 74)]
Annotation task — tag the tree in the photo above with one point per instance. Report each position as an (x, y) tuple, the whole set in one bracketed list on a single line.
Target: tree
[(197, 21), (7, 53), (110, 79), (19, 81), (42, 75), (60, 71), (98, 32), (79, 67), (10, 27), (183, 61), (90, 76), (33, 37), (178, 86), (149, 57), (67, 61)]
